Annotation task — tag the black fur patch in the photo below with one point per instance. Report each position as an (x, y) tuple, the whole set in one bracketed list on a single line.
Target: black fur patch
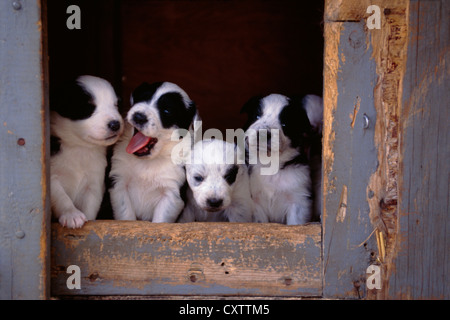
[(174, 112), (231, 174), (73, 101), (145, 92), (183, 191), (111, 182), (171, 106), (295, 123)]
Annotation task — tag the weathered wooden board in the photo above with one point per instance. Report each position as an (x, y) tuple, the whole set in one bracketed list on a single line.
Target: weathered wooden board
[(24, 204), (141, 258), (350, 157), (421, 262)]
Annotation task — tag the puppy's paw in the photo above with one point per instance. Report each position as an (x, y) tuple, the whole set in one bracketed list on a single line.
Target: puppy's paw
[(73, 220)]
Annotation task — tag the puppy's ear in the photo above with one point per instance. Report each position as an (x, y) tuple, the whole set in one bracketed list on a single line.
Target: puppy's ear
[(144, 92), (252, 105)]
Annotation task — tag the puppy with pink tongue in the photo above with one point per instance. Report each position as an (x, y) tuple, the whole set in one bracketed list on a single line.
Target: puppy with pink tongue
[(146, 183)]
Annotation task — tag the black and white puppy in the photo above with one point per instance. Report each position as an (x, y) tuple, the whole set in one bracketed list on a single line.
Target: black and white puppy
[(285, 195), (146, 181), (219, 188), (84, 121)]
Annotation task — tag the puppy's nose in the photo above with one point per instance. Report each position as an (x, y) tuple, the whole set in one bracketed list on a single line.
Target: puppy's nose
[(214, 202), (140, 118), (114, 125)]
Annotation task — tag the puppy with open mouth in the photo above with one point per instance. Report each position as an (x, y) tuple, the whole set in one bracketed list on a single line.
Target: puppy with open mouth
[(146, 183), (219, 187), (84, 121)]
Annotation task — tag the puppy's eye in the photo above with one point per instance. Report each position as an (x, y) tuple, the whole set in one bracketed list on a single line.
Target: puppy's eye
[(258, 117), (283, 124), (199, 178), (167, 111)]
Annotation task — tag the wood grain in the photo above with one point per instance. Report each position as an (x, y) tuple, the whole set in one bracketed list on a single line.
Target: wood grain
[(421, 261), (349, 159), (141, 258), (24, 204)]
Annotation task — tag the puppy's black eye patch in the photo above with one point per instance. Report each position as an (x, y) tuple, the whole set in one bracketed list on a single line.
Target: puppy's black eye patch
[(295, 123), (73, 101), (230, 175), (174, 112)]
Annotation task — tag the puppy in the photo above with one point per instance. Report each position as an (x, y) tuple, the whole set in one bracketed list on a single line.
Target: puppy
[(219, 187), (84, 120), (146, 182), (284, 196)]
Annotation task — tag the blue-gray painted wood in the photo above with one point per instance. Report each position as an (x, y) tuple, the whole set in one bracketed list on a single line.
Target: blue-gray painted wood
[(142, 258), (422, 263), (347, 247), (24, 211)]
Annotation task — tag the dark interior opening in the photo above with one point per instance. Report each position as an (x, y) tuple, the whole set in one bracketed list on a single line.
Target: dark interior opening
[(222, 52)]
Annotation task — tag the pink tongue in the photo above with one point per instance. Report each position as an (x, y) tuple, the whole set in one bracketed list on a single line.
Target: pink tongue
[(137, 142)]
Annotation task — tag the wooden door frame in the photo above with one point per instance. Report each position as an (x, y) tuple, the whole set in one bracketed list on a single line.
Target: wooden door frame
[(367, 217)]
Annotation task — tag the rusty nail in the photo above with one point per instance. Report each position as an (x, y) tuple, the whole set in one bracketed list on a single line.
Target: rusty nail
[(193, 278), (17, 5), (366, 121), (20, 234), (21, 142)]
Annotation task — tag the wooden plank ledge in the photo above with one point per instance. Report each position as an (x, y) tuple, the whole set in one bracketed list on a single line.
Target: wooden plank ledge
[(143, 258)]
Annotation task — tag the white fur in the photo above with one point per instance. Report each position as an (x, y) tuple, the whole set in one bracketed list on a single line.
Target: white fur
[(283, 197), (211, 160), (148, 187), (78, 169), (314, 109)]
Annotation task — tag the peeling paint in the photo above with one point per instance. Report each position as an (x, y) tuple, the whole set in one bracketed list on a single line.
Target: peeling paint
[(355, 112), (331, 70), (389, 52), (342, 210)]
